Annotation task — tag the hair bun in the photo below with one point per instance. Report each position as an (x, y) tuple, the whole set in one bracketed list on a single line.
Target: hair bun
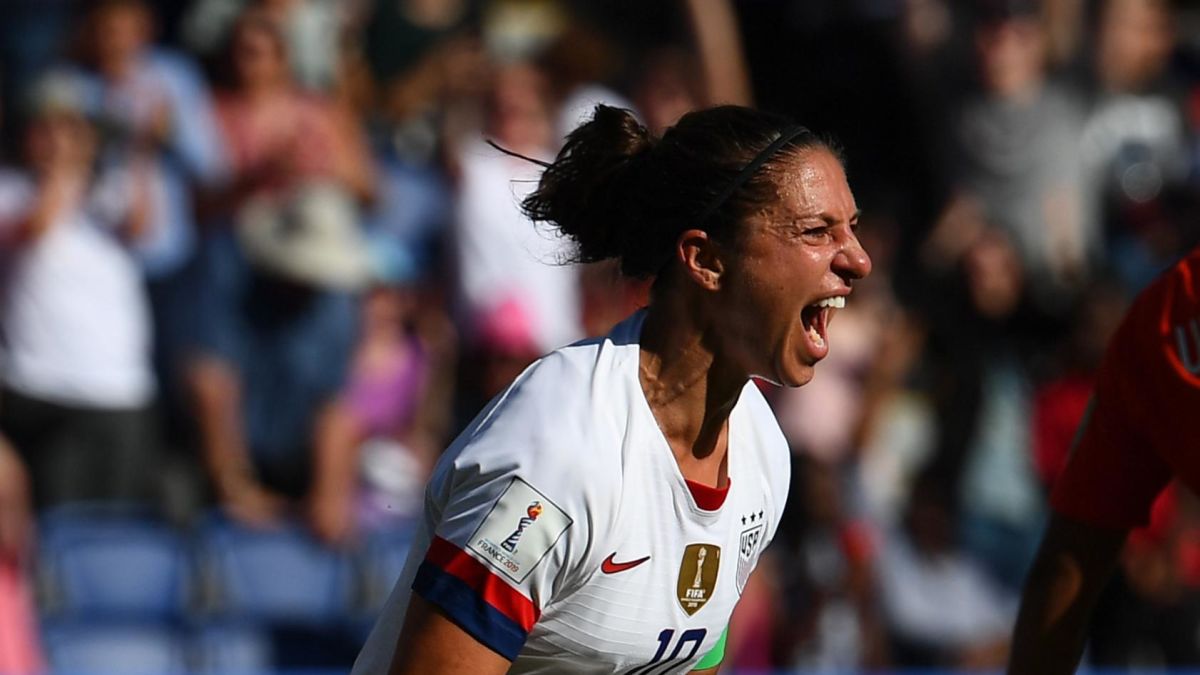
[(585, 192)]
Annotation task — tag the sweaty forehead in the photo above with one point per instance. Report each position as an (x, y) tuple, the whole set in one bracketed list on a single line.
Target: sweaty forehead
[(814, 184)]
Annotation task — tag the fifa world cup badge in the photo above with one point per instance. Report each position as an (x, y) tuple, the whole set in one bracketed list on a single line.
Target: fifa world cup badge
[(521, 528), (697, 576)]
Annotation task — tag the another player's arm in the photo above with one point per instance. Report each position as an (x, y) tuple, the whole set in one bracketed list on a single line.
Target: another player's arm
[(431, 644), (1071, 569)]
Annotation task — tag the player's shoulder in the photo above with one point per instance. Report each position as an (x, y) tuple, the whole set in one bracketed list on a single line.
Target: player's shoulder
[(1178, 286), (763, 424), (568, 393), (768, 446), (559, 417), (1178, 291), (1161, 330)]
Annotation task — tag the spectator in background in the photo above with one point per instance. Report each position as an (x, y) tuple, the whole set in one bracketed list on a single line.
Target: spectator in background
[(312, 30), (1017, 155), (1001, 504), (76, 371), (155, 108), (157, 116), (897, 432), (941, 609), (394, 414), (275, 287), (1135, 142), (425, 57), (278, 136), (830, 620), (987, 336), (503, 263)]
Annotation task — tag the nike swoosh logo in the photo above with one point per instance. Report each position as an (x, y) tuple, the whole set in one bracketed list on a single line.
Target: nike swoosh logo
[(611, 567)]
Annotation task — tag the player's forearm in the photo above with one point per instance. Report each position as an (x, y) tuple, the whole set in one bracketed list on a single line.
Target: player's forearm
[(1051, 628), (1071, 570)]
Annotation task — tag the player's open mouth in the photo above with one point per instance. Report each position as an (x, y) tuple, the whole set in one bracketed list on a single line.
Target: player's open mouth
[(816, 319)]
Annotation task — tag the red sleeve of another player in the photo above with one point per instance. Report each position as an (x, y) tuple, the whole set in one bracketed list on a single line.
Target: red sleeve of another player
[(1114, 473)]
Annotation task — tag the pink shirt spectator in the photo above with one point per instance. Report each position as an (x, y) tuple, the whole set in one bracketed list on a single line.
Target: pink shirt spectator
[(290, 140)]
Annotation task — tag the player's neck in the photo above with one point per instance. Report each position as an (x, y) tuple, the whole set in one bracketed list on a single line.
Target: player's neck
[(690, 392)]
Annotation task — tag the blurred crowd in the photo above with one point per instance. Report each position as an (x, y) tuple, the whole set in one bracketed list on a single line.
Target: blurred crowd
[(258, 256)]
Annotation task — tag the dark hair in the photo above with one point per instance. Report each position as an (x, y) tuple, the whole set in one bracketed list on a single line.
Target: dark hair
[(619, 192)]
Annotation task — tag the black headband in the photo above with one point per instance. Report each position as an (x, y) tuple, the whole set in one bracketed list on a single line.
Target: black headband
[(750, 169)]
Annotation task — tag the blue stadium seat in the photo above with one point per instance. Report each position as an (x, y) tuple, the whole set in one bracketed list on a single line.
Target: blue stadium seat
[(279, 575), (103, 648), (231, 649), (104, 565)]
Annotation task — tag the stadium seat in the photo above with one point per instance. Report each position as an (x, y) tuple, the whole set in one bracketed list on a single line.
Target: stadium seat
[(102, 564), (231, 649), (278, 576), (101, 648)]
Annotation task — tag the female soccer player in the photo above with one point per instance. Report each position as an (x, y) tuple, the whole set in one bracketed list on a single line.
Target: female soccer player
[(602, 515), (1136, 437)]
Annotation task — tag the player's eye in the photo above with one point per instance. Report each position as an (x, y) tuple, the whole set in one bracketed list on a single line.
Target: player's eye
[(816, 233)]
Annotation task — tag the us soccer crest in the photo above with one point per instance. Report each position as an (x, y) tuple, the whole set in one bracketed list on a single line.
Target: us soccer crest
[(697, 576), (749, 546)]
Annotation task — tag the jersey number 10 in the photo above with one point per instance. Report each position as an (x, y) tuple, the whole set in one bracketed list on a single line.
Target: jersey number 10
[(691, 637)]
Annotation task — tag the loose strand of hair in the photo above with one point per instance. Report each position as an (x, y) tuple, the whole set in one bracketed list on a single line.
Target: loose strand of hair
[(513, 153)]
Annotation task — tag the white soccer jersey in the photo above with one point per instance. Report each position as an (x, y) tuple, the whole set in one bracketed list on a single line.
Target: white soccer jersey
[(559, 531)]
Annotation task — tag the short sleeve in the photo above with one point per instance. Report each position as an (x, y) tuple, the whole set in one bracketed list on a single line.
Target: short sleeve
[(511, 515), (1115, 470), (1112, 477)]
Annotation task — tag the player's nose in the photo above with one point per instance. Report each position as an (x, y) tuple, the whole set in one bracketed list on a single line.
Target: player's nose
[(852, 261)]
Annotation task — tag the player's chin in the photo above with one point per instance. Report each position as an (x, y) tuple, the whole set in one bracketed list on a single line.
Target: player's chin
[(795, 371)]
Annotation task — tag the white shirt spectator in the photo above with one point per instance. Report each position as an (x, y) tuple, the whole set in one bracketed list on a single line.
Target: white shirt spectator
[(502, 256), (73, 312), (941, 599)]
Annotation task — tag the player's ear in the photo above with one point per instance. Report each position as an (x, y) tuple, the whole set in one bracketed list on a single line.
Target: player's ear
[(700, 258)]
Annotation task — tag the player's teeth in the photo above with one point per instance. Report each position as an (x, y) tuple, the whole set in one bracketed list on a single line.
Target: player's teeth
[(837, 302), (816, 337)]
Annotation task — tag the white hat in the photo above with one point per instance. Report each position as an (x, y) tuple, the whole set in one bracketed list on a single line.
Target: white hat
[(311, 236)]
